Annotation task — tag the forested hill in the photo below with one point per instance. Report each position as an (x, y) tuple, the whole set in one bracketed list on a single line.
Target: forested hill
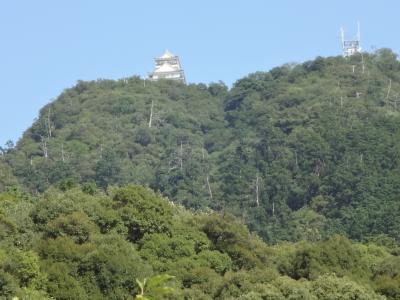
[(300, 152), (82, 244)]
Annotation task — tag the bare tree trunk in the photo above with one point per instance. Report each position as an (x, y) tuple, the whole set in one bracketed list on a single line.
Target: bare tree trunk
[(44, 148), (209, 188), (362, 63), (181, 156), (48, 123), (273, 207), (151, 113), (62, 153), (388, 92), (257, 191)]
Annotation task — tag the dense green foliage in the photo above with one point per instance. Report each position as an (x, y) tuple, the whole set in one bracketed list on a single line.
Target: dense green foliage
[(300, 152), (7, 178), (74, 245), (306, 155)]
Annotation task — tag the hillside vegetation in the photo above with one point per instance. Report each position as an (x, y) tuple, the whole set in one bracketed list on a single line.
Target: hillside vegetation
[(285, 186), (301, 152), (85, 244)]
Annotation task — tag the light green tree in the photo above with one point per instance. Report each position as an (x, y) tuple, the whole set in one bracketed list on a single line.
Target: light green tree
[(155, 287)]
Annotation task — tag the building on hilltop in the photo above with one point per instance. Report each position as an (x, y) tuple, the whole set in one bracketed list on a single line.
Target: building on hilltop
[(350, 47), (168, 66)]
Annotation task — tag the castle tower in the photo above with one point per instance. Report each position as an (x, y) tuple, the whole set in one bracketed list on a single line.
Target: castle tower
[(350, 47), (168, 66)]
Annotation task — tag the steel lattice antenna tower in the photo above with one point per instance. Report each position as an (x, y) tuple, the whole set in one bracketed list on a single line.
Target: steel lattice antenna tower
[(350, 47)]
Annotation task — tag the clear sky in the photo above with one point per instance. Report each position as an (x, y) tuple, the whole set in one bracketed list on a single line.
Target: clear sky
[(47, 45)]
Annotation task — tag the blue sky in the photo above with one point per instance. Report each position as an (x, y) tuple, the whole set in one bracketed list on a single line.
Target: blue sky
[(47, 45)]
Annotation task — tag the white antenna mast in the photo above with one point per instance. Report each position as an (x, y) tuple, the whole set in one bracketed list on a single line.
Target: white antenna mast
[(350, 47), (342, 37)]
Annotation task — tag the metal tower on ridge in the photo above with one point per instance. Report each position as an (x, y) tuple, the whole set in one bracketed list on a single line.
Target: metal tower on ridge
[(168, 66), (350, 47)]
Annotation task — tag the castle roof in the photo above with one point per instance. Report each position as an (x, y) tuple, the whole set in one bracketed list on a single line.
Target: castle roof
[(167, 55), (166, 68)]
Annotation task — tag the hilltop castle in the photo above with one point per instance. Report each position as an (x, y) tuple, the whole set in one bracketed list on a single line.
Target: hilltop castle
[(168, 66)]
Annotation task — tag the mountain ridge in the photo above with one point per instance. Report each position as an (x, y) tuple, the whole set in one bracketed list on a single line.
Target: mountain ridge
[(284, 187), (311, 144)]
